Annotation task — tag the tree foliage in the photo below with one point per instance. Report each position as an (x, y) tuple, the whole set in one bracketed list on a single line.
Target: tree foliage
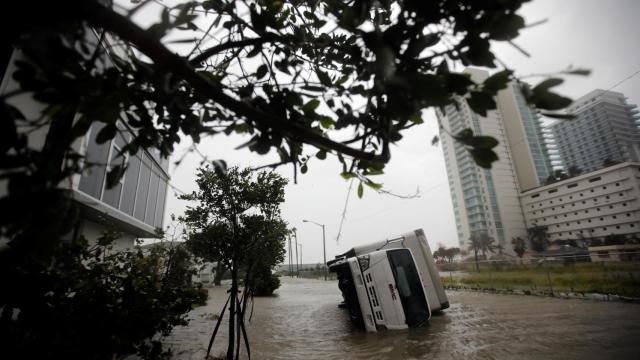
[(283, 73), (538, 237), (235, 220), (90, 302), (481, 242), (519, 246), (445, 253)]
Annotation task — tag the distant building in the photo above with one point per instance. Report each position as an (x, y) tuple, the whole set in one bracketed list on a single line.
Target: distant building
[(605, 131), (487, 201), (592, 205), (135, 206)]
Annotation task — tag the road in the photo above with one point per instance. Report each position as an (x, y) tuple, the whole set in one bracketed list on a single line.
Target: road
[(304, 322)]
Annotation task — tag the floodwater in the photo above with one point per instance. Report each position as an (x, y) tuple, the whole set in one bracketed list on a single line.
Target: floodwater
[(304, 322)]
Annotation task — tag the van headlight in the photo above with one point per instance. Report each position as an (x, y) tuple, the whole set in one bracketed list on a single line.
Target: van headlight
[(364, 262)]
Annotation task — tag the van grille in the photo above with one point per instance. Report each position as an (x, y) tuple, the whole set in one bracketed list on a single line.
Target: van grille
[(374, 296)]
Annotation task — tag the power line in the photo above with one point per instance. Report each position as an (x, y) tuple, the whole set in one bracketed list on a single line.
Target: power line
[(624, 80)]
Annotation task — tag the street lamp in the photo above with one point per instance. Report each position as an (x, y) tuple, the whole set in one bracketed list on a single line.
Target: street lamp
[(324, 246)]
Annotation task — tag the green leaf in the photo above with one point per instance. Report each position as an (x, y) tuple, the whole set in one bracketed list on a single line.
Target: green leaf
[(435, 140), (311, 105), (114, 175), (481, 102), (483, 157), (497, 81), (304, 168), (324, 78), (262, 71), (360, 190), (417, 118), (321, 154), (547, 84), (551, 101), (347, 175), (107, 133), (373, 185), (559, 115), (507, 26), (326, 122), (581, 72)]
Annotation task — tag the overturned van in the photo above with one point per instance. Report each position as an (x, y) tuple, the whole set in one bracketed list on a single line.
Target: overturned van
[(390, 284)]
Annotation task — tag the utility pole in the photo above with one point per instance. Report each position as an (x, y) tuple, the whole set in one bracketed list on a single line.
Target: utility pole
[(290, 258), (297, 264), (324, 246), (300, 257)]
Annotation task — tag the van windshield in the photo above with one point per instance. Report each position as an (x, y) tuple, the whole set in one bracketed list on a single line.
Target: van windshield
[(414, 303)]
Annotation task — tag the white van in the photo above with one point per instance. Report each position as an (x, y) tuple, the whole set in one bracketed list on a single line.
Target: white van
[(391, 283)]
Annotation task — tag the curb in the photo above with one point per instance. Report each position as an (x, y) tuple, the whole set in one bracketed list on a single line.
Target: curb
[(559, 294)]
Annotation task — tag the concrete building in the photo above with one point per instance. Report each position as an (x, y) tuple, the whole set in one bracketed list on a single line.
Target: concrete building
[(606, 129), (488, 200), (135, 206), (592, 205)]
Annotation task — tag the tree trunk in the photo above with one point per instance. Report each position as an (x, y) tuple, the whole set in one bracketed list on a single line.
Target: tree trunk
[(232, 312), (475, 253), (217, 278)]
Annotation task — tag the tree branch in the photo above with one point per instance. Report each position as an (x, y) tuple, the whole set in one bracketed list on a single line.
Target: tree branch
[(205, 54), (106, 18)]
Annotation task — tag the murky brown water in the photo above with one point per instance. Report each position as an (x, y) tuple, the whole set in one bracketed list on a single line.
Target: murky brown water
[(304, 322)]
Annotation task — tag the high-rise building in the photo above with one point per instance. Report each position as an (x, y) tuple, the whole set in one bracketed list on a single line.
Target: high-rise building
[(605, 131), (487, 200)]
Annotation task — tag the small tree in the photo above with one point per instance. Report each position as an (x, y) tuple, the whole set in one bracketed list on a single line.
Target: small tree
[(538, 237), (519, 246), (111, 303), (481, 242), (236, 221)]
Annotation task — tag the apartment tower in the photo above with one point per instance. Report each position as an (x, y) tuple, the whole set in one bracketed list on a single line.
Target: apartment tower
[(487, 200)]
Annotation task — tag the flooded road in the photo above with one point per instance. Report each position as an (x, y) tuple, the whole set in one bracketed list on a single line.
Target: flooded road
[(304, 322)]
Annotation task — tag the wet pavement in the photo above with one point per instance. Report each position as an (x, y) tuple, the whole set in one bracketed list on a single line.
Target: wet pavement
[(303, 322)]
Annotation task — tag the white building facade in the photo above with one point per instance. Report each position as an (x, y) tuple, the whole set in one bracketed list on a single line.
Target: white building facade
[(487, 201), (605, 130), (592, 205), (135, 206)]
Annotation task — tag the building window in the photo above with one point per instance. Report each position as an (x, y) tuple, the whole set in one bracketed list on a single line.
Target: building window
[(617, 184)]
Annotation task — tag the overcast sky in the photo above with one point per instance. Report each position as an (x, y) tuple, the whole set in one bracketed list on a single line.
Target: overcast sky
[(599, 35)]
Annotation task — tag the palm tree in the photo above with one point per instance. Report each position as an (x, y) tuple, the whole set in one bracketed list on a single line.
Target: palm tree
[(481, 242)]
